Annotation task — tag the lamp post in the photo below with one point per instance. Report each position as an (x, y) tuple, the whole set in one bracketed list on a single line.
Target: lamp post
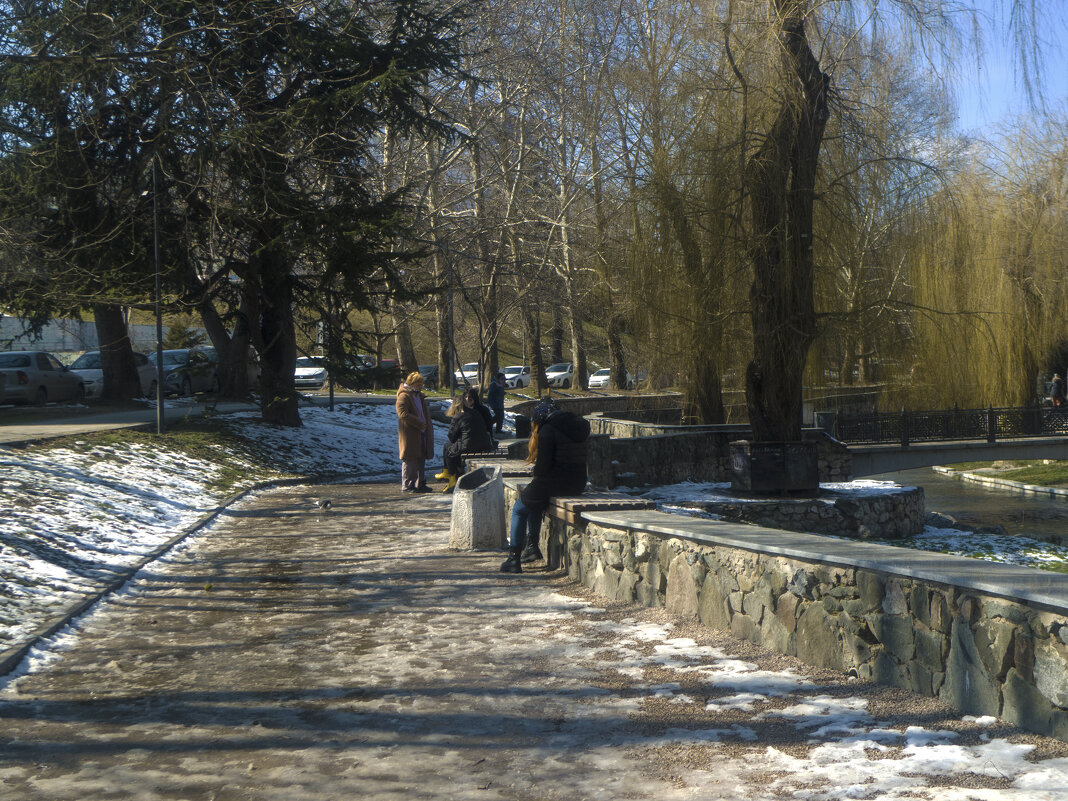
[(160, 426)]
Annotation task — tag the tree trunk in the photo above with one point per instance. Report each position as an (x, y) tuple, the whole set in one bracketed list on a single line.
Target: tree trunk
[(233, 349), (532, 330), (278, 354), (121, 381), (616, 361), (780, 182)]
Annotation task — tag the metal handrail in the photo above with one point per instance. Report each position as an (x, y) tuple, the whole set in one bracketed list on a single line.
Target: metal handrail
[(946, 425)]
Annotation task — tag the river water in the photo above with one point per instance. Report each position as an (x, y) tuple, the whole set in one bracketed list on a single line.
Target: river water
[(1037, 516)]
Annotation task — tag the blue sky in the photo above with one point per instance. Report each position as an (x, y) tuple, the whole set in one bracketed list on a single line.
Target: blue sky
[(989, 95)]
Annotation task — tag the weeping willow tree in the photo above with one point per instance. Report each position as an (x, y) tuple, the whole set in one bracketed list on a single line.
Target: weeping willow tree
[(990, 286)]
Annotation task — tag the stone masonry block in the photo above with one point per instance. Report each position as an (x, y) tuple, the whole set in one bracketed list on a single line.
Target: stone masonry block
[(681, 589), (1051, 672), (818, 641), (713, 609), (1024, 705), (993, 638), (871, 587), (968, 686)]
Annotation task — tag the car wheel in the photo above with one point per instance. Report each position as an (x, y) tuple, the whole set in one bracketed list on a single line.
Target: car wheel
[(40, 397), (153, 390), (216, 387), (79, 394), (187, 387), (566, 384)]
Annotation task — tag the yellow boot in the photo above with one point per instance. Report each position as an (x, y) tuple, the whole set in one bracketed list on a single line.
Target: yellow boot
[(451, 484), (444, 475)]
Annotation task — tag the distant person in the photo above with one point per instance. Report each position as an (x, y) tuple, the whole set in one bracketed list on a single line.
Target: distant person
[(1056, 392), (415, 433), (557, 448), (469, 433), (495, 399)]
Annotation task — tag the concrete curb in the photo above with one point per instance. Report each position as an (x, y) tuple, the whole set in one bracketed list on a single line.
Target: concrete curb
[(11, 657), (991, 481)]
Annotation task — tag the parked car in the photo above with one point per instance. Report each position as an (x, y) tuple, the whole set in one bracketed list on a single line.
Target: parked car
[(310, 373), (468, 374), (187, 370), (603, 378), (90, 368), (560, 375), (34, 376), (430, 376), (517, 376), (3, 383)]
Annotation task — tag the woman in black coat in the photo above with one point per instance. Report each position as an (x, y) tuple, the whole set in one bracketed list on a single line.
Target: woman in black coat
[(558, 443), (469, 433)]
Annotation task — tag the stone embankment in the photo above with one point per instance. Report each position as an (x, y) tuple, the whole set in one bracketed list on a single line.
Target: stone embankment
[(988, 639)]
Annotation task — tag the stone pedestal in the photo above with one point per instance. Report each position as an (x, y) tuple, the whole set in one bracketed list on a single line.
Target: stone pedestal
[(478, 511), (775, 468)]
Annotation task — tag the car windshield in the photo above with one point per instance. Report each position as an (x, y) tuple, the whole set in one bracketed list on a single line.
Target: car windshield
[(309, 361), (171, 357), (603, 371), (559, 368), (14, 360), (470, 367), (513, 370), (87, 361)]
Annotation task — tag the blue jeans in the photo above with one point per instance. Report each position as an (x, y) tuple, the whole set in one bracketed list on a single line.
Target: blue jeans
[(526, 525)]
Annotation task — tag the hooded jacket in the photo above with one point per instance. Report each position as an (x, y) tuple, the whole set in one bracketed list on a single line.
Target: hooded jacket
[(560, 468), (470, 430)]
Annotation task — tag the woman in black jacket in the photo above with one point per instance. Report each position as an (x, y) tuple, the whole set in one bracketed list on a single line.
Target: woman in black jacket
[(469, 433), (558, 443)]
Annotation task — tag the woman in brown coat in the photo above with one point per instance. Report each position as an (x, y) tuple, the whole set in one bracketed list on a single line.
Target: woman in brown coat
[(415, 433)]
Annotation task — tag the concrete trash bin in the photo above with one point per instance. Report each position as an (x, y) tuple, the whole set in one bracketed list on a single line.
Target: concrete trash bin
[(522, 426), (478, 511)]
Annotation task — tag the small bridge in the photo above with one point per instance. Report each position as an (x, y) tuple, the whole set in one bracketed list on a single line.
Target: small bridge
[(883, 443)]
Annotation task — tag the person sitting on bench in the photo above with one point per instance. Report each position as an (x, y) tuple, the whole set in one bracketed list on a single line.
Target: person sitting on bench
[(469, 433), (557, 448)]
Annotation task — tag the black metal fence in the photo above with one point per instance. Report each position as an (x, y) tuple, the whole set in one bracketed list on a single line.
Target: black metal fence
[(988, 424)]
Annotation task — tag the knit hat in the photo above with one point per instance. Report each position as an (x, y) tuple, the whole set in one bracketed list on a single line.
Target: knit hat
[(543, 410)]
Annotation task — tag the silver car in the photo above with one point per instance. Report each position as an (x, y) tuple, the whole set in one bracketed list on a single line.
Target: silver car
[(90, 368), (34, 376), (187, 370)]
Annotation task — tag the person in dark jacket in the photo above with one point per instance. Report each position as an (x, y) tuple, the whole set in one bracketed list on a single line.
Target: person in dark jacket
[(469, 433), (557, 448), (495, 399), (1057, 394)]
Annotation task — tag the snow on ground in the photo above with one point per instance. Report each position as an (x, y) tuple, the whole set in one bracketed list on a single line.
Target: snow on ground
[(74, 519), (1008, 549)]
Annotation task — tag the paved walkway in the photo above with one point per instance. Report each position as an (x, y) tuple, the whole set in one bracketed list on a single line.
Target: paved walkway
[(288, 654)]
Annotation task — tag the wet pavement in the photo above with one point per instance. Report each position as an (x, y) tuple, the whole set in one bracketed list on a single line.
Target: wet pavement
[(289, 653)]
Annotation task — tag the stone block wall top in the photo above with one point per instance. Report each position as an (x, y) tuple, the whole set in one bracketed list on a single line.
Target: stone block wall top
[(1029, 585)]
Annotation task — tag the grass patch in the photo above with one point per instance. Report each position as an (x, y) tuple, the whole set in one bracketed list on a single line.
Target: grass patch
[(1044, 475), (1034, 471)]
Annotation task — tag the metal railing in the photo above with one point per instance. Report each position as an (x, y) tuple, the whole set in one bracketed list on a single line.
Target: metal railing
[(948, 425)]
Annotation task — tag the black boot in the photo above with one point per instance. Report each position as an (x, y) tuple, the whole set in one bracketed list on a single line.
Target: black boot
[(512, 564), (532, 553)]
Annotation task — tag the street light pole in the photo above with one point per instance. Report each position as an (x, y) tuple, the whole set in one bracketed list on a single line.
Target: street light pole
[(160, 423)]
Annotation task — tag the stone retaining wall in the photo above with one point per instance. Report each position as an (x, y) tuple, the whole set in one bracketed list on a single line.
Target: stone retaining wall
[(591, 404), (639, 454), (885, 516), (983, 654)]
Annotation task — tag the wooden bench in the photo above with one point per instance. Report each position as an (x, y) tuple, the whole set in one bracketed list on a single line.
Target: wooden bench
[(569, 508), (510, 468)]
